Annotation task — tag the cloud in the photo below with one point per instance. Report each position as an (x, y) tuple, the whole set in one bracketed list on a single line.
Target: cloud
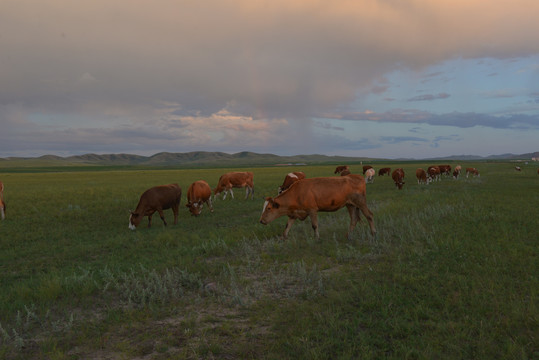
[(455, 119), (429, 97)]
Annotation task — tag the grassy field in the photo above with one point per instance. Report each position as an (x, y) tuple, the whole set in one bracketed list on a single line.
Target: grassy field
[(452, 273)]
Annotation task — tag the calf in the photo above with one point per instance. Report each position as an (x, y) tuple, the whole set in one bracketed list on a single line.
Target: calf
[(434, 173), (421, 176), (369, 175), (384, 171), (289, 179), (157, 198), (235, 180), (198, 193), (307, 197), (398, 177), (2, 202), (472, 171), (341, 168)]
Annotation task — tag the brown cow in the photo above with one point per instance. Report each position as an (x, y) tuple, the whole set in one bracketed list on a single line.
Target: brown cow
[(157, 198), (445, 169), (341, 168), (198, 193), (398, 177), (434, 173), (384, 171), (369, 175), (289, 179), (309, 196), (345, 172), (456, 174), (421, 176), (2, 202), (472, 171), (365, 168), (235, 180)]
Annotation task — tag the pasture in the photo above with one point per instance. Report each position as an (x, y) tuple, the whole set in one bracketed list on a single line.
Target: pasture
[(452, 273)]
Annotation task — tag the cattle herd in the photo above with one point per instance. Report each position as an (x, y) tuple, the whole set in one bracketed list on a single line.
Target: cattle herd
[(298, 197)]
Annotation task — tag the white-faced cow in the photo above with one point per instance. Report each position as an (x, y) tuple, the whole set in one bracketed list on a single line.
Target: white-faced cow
[(365, 168), (384, 171), (369, 175), (305, 198), (472, 171), (235, 180), (341, 168), (398, 177), (2, 202), (458, 168), (198, 194), (157, 198), (517, 168), (421, 176), (289, 179), (434, 173)]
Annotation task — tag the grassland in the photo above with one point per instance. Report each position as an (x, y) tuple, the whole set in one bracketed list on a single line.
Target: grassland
[(452, 273)]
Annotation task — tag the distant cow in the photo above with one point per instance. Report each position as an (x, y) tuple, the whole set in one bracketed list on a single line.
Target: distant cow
[(384, 171), (472, 171), (421, 176), (235, 180), (445, 169), (434, 173), (398, 177), (198, 194), (345, 172), (289, 179), (365, 168), (369, 175), (458, 168), (307, 197), (456, 174), (517, 168), (341, 168), (157, 198), (2, 202)]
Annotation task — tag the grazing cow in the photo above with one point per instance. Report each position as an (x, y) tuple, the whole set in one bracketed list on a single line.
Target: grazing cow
[(309, 196), (421, 176), (517, 168), (456, 174), (434, 173), (2, 202), (198, 193), (398, 177), (341, 168), (472, 171), (235, 180), (157, 198), (369, 175), (384, 171), (365, 168), (458, 168), (445, 169), (289, 179)]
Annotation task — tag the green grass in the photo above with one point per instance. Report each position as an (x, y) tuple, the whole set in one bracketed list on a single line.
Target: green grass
[(451, 274)]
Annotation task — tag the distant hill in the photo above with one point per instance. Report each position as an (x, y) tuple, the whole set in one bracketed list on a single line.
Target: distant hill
[(220, 159)]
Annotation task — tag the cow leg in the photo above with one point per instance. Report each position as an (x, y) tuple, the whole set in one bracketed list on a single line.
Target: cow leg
[(175, 211), (288, 226), (353, 211), (209, 203), (314, 224), (231, 193), (149, 220), (162, 216)]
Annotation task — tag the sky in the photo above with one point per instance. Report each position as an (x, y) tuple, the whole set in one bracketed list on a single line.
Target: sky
[(364, 78)]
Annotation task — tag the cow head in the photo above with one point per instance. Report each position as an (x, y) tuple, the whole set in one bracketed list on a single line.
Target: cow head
[(195, 208), (270, 211), (134, 220)]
